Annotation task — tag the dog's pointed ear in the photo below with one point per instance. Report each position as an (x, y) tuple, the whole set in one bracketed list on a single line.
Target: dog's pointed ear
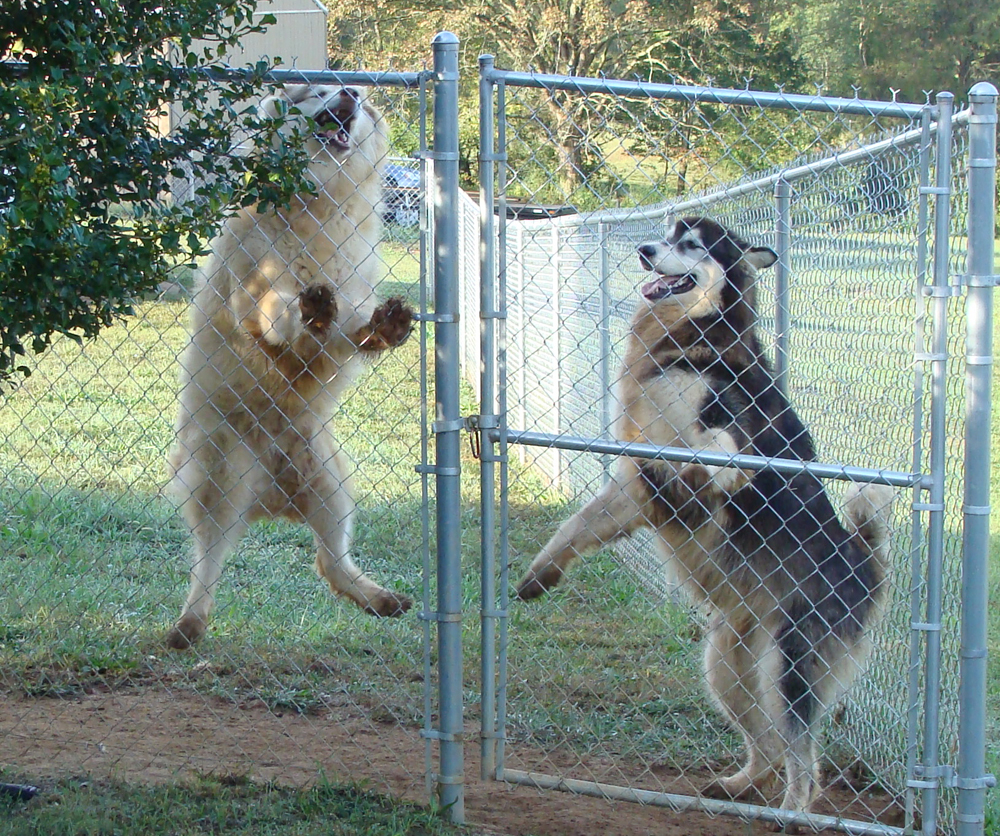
[(276, 106), (760, 257)]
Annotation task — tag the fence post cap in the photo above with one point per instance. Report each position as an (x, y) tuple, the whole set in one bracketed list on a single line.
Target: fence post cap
[(445, 38), (983, 90)]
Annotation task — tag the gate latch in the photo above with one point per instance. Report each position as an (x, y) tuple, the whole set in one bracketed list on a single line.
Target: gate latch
[(476, 425), (475, 442)]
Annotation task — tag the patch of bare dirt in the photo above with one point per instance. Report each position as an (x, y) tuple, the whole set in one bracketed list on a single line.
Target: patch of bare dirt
[(153, 736)]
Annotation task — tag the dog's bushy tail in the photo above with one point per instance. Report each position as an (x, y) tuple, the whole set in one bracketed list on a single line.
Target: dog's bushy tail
[(868, 508)]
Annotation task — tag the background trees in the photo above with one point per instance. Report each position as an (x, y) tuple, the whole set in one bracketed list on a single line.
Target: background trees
[(872, 48), (910, 46), (729, 42)]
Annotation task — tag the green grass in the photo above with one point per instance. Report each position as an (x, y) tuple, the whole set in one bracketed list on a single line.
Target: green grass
[(208, 805)]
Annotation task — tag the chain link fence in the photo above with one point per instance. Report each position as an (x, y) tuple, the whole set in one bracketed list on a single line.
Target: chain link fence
[(604, 678), (598, 688), (289, 682)]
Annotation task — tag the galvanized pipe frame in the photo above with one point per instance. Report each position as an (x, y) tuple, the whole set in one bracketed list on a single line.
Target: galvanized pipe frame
[(688, 803), (972, 780), (917, 538), (846, 473), (491, 610), (970, 815), (448, 425), (695, 94), (424, 468), (928, 781)]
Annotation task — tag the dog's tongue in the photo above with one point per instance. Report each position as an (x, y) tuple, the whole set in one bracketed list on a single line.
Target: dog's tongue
[(654, 288)]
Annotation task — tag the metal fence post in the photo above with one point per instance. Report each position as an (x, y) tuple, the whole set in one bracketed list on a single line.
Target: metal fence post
[(505, 299), (448, 425), (972, 782), (782, 245), (940, 292), (518, 294), (916, 504), (489, 611)]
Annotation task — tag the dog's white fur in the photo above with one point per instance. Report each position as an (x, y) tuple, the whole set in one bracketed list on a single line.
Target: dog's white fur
[(282, 314)]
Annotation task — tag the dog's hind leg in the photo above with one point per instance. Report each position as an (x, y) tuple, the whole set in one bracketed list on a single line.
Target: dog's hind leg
[(326, 505), (609, 515), (801, 684), (734, 683), (218, 522)]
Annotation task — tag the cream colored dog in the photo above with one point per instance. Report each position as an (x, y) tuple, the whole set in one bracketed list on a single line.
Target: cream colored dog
[(281, 318)]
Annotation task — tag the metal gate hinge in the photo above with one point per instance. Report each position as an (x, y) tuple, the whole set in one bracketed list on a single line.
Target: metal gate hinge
[(434, 470), (979, 281), (436, 734), (959, 283), (441, 617), (448, 426), (437, 318), (956, 288), (947, 776)]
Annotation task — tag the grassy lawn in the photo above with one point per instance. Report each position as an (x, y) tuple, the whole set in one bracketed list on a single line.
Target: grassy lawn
[(213, 806), (93, 568)]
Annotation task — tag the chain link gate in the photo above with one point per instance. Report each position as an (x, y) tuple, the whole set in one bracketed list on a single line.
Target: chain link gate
[(595, 691), (288, 684)]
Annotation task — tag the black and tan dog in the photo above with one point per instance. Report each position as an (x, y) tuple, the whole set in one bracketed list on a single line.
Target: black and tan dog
[(791, 593)]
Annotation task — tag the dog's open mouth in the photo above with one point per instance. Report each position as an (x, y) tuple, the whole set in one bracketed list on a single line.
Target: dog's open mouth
[(667, 286), (335, 123)]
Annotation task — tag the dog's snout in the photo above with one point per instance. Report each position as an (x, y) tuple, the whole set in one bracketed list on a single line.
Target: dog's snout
[(647, 253)]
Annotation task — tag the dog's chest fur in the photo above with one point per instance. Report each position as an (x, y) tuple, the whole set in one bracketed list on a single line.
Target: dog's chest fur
[(676, 386)]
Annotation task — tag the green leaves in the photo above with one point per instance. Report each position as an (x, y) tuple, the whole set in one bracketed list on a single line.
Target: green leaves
[(98, 203)]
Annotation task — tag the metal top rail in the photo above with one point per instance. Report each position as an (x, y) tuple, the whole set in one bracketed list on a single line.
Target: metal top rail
[(691, 93), (290, 75)]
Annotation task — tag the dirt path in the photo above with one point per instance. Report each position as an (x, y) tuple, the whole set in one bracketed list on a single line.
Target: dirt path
[(155, 736)]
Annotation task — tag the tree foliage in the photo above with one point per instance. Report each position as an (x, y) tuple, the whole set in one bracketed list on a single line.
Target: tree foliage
[(912, 47), (86, 223), (727, 42)]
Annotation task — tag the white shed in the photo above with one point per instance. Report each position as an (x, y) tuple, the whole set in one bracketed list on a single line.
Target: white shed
[(297, 37)]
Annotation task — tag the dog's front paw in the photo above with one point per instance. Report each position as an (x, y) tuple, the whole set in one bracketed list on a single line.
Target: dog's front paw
[(390, 325), (695, 481), (536, 583), (318, 307), (705, 482)]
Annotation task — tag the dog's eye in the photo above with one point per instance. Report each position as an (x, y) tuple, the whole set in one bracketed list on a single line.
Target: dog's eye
[(688, 246)]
